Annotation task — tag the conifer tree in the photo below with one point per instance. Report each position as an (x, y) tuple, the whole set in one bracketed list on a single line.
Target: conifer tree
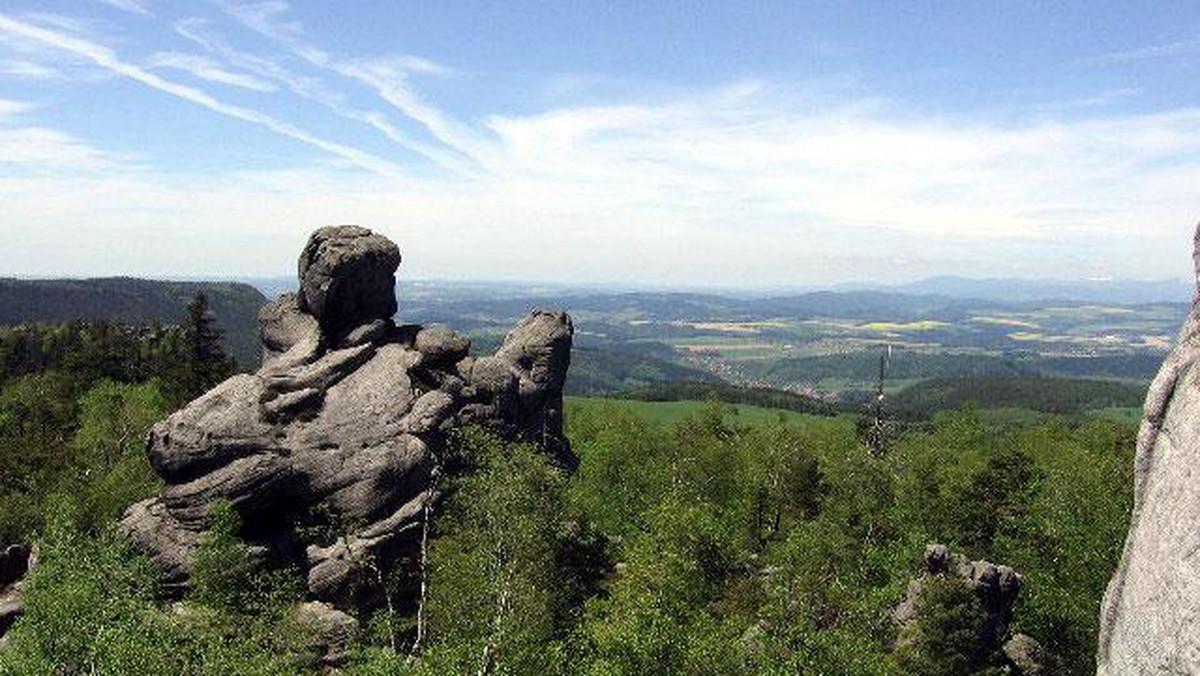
[(207, 362)]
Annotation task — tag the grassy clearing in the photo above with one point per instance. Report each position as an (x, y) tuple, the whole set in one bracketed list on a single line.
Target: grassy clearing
[(1131, 415)]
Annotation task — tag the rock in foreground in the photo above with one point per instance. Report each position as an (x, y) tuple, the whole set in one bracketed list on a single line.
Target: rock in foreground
[(343, 425)]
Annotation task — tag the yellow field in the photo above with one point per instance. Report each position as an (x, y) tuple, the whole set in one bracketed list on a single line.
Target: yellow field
[(732, 327), (1005, 321), (898, 327)]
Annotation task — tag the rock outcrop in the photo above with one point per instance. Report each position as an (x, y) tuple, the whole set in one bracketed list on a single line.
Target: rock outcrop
[(330, 452), (15, 563), (1150, 620), (1026, 655), (996, 588), (329, 630)]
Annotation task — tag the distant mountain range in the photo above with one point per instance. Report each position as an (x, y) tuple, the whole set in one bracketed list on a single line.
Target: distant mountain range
[(1123, 292)]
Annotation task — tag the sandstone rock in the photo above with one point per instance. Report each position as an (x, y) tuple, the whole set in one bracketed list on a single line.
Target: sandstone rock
[(1026, 655), (330, 631), (1150, 618), (347, 418), (169, 544), (347, 277), (440, 345), (538, 353), (283, 326), (996, 587)]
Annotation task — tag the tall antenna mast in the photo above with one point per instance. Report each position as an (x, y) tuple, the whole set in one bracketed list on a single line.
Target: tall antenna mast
[(877, 438)]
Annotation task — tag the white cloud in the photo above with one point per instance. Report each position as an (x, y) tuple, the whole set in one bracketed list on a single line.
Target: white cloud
[(264, 17), (11, 107), (389, 79), (39, 150), (313, 89), (207, 69), (715, 188)]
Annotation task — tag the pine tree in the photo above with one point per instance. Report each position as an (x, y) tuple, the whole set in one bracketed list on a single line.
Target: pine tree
[(207, 362)]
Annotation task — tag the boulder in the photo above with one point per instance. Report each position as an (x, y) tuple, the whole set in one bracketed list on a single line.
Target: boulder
[(347, 277), (1025, 655), (345, 423), (995, 586), (1150, 618), (440, 345), (329, 631)]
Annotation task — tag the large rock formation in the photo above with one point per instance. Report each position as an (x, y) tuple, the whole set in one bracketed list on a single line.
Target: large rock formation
[(1150, 621), (330, 451)]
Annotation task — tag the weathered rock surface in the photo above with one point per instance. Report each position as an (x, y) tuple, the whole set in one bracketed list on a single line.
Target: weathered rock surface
[(1150, 619), (995, 586), (343, 424), (15, 563), (1026, 655), (330, 631), (347, 277)]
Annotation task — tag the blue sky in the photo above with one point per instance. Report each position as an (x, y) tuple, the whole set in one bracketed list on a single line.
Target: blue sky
[(723, 144)]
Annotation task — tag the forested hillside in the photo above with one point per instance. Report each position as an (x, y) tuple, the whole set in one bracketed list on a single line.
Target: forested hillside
[(137, 302), (75, 402), (1046, 395), (690, 390)]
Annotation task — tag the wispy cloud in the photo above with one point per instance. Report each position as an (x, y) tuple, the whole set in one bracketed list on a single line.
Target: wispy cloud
[(264, 16), (29, 69), (131, 6), (390, 81), (105, 58), (10, 107), (207, 69), (388, 75), (1170, 49), (761, 191), (197, 30)]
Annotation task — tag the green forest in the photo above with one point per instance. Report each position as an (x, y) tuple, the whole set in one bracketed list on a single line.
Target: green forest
[(702, 546)]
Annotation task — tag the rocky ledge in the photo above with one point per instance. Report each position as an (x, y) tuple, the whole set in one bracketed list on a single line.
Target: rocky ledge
[(346, 419)]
